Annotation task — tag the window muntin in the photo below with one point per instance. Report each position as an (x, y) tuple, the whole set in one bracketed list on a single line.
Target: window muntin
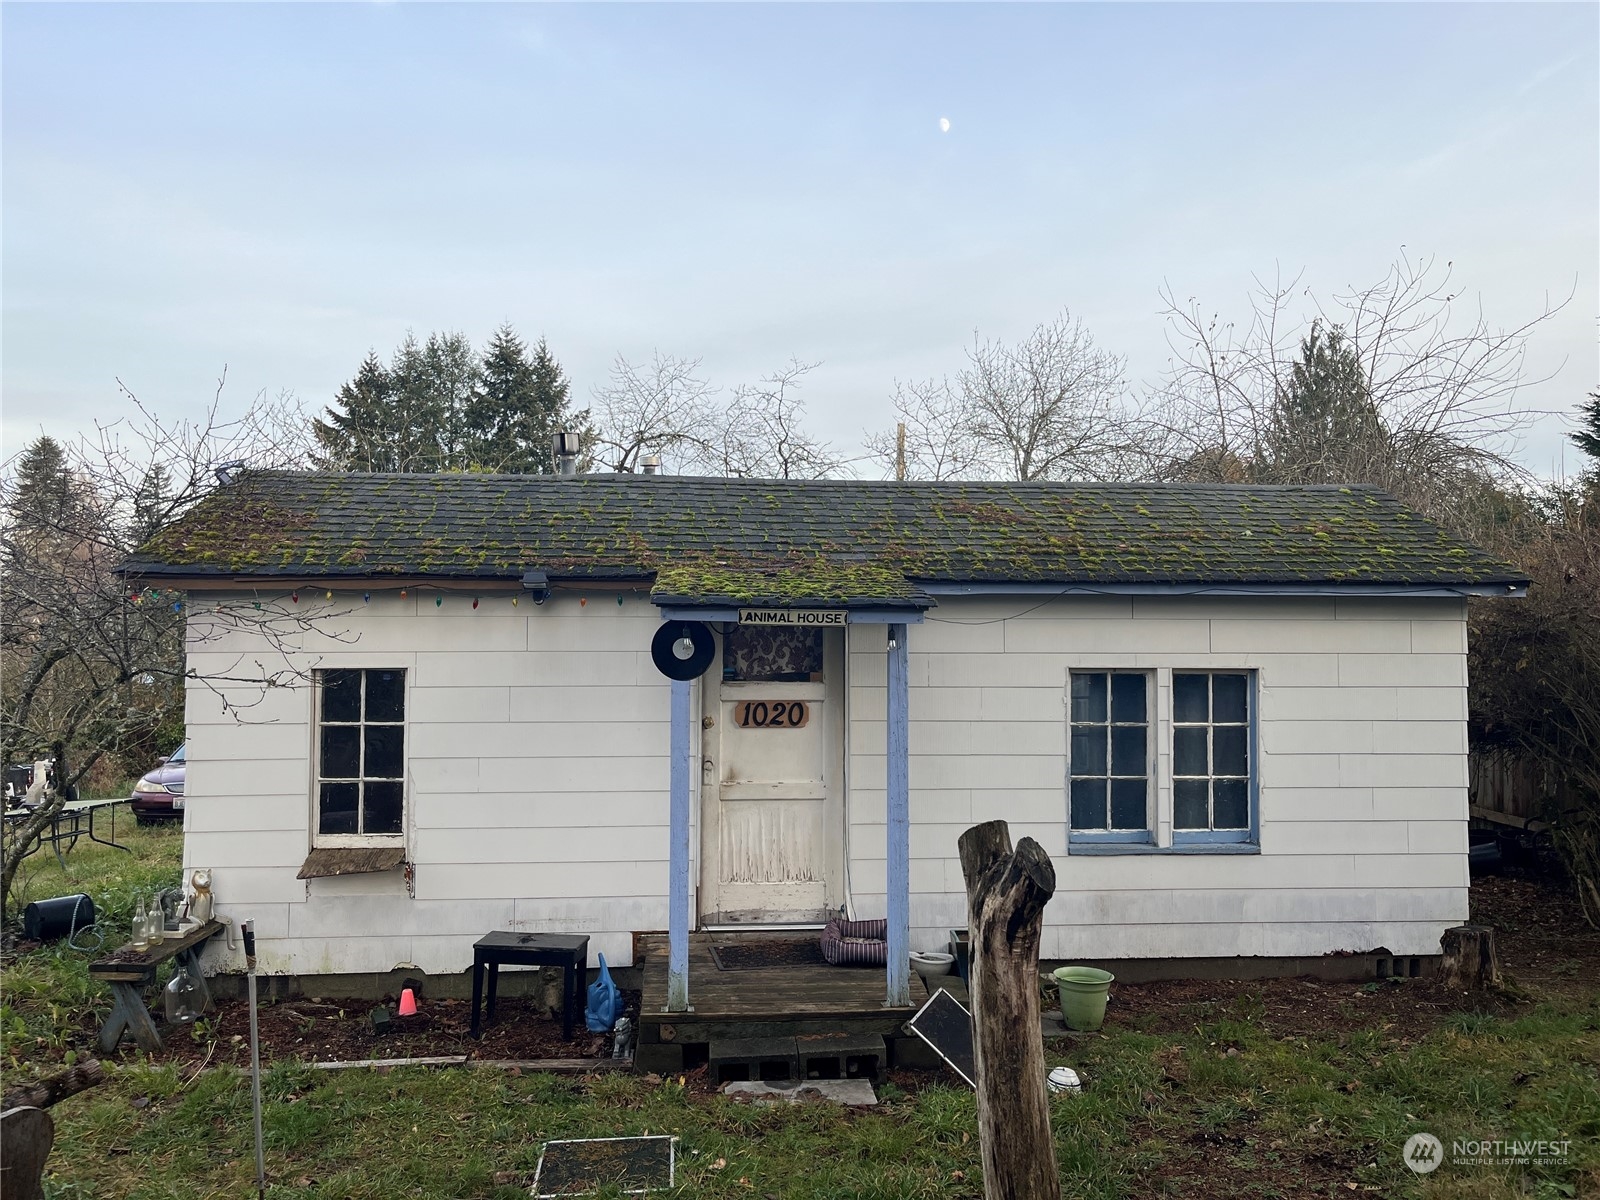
[(1211, 753), (361, 752), (1110, 755)]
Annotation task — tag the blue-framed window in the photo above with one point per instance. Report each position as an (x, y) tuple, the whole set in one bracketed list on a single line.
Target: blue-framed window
[(1214, 784), (1109, 757)]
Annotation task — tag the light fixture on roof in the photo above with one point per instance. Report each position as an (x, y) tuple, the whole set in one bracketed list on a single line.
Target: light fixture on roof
[(225, 472), (537, 585)]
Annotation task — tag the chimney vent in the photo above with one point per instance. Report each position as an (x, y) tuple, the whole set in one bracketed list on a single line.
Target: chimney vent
[(565, 447), (651, 464)]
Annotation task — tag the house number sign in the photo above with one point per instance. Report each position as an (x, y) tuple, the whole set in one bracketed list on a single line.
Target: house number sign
[(771, 714)]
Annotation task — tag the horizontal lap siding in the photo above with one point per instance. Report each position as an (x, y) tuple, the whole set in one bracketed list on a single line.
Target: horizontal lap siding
[(1362, 710), (537, 775)]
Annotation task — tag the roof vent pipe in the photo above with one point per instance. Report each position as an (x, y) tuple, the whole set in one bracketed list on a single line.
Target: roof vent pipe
[(565, 447), (651, 464)]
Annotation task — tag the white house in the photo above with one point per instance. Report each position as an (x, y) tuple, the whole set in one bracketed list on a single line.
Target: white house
[(1234, 716)]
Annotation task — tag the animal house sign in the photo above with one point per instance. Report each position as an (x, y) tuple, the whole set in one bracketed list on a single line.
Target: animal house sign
[(803, 617)]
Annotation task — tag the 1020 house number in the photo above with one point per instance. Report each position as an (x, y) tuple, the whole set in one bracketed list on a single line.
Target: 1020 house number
[(771, 714)]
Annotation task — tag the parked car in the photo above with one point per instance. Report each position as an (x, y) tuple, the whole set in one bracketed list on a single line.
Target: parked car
[(158, 796)]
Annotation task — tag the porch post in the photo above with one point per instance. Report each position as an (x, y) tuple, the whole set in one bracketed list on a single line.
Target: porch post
[(899, 824), (678, 858)]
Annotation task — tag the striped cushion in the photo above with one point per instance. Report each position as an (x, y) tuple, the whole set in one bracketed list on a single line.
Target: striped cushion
[(856, 943)]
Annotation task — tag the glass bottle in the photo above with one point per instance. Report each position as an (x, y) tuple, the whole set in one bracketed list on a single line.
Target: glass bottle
[(156, 929), (141, 925), (184, 998)]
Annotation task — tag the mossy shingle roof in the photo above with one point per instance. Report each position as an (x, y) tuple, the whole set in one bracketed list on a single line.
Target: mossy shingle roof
[(792, 541)]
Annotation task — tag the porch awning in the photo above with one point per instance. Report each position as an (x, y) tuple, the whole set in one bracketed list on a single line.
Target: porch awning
[(858, 587)]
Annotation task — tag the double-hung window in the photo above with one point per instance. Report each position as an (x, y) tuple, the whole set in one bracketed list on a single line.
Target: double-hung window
[(361, 743), (1109, 758), (1212, 756)]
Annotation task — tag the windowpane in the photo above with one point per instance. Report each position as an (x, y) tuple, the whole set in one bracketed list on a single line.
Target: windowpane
[(1189, 697), (337, 806), (1088, 803), (384, 802), (1128, 805), (1228, 698), (1189, 804), (1189, 751), (385, 757), (386, 695), (1230, 804), (1127, 698), (1088, 749), (341, 751), (1230, 750), (1127, 750), (1088, 697), (341, 695)]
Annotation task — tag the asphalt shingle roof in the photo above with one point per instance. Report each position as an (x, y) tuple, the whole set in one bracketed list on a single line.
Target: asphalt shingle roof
[(753, 540)]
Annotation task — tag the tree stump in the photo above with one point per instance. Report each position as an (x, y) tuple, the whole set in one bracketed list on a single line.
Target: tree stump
[(1006, 893), (1470, 963), (25, 1138)]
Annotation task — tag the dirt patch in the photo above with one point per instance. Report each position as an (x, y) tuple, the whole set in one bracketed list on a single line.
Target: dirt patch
[(341, 1031), (1539, 928)]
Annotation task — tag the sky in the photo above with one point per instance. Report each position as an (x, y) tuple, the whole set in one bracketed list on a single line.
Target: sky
[(273, 190)]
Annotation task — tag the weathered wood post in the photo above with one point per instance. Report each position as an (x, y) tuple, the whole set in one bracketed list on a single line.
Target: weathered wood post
[(1006, 893), (27, 1131)]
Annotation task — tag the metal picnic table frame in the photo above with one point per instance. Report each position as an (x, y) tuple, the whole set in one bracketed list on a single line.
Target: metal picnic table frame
[(68, 825), (127, 973)]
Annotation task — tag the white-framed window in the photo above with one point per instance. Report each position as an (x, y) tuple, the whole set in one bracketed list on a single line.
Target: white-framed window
[(1109, 756), (361, 755), (1213, 756), (1162, 760)]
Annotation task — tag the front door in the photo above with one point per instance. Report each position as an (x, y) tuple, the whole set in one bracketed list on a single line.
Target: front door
[(772, 830)]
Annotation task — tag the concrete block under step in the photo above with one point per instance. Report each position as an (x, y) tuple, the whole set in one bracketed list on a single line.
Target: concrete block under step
[(841, 1056), (911, 1053), (661, 1058), (760, 1059)]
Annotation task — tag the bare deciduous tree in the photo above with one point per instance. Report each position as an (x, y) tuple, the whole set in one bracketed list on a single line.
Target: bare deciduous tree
[(1052, 406), (938, 444), (1440, 391), (663, 408), (761, 433), (91, 667)]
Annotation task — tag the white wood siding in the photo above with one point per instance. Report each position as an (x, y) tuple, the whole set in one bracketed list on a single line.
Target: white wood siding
[(537, 775), (1362, 707)]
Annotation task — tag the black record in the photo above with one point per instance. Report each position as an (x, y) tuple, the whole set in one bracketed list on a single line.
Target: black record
[(664, 649)]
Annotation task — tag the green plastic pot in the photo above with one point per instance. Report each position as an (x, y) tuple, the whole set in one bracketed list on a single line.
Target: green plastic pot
[(1084, 991)]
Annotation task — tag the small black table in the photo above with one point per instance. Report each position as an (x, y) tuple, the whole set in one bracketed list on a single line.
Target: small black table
[(568, 951)]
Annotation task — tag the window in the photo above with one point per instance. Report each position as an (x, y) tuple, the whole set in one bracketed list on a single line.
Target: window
[(361, 753), (1211, 756), (1110, 756)]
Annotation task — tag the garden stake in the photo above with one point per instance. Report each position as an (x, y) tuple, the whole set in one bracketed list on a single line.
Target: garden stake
[(248, 928)]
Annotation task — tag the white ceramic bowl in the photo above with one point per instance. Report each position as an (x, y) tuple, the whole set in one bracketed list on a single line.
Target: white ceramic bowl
[(931, 964)]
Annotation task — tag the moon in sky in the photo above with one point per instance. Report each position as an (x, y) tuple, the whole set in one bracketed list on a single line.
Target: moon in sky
[(944, 124)]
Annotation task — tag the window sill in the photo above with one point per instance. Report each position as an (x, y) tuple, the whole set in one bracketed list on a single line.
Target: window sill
[(351, 860), (1092, 849)]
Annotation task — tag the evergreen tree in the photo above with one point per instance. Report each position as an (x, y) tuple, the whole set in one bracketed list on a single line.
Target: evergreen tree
[(152, 504), (520, 403), (1587, 438), (357, 434), (1325, 427), (47, 499)]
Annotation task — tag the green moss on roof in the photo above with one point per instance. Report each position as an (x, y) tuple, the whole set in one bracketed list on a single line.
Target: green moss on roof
[(830, 540)]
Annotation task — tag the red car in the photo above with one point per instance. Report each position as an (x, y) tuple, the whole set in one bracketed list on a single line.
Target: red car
[(158, 796)]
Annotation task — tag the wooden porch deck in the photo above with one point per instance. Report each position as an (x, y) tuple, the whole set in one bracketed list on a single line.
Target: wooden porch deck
[(767, 1002)]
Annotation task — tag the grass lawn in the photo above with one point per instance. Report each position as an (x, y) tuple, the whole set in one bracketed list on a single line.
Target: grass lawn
[(1283, 1088)]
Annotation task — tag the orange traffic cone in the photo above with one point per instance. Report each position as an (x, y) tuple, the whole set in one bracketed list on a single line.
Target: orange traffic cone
[(408, 1003)]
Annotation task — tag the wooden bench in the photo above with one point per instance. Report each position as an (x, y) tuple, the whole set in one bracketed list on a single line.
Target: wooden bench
[(128, 972)]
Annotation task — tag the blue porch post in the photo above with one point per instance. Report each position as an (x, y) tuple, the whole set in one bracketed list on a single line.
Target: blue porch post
[(899, 823), (678, 858)]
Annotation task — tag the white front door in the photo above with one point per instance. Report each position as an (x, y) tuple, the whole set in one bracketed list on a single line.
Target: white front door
[(772, 832)]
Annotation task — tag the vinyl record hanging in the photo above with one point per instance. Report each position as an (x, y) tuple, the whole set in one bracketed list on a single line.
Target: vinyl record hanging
[(683, 649)]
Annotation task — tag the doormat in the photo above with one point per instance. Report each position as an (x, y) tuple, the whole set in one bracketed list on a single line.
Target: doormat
[(771, 952), (582, 1167)]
